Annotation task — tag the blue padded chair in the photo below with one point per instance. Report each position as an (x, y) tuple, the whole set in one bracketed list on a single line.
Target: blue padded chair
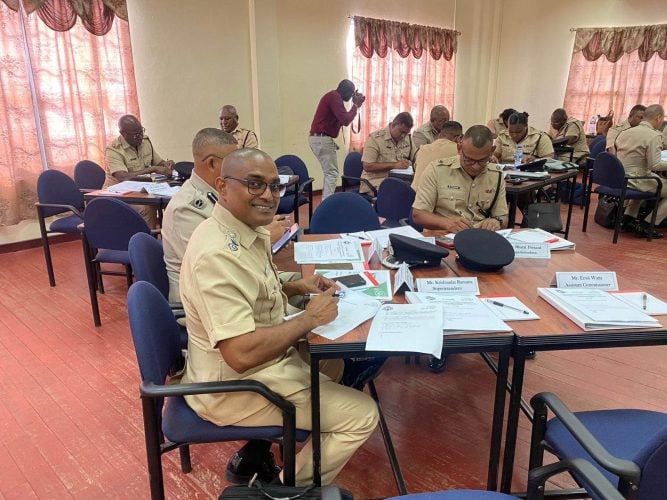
[(612, 182), (147, 261), (291, 202), (597, 485), (108, 226), (596, 147), (57, 193), (394, 201), (344, 213), (351, 179), (172, 423), (89, 176), (628, 446)]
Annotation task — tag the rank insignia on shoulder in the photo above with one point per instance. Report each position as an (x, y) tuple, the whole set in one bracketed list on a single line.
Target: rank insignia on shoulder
[(233, 244)]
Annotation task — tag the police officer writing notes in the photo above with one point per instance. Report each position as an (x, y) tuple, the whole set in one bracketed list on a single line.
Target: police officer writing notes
[(463, 191), (235, 313), (330, 116)]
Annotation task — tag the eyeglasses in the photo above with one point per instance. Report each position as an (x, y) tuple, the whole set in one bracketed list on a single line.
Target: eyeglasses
[(469, 162), (136, 135), (257, 188)]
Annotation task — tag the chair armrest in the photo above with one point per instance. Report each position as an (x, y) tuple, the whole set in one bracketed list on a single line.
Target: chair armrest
[(404, 221), (648, 177), (618, 466), (58, 205), (151, 390), (366, 182), (303, 185), (85, 190), (595, 481), (156, 232)]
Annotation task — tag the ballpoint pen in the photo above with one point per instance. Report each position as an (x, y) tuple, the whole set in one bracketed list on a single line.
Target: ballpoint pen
[(500, 304), (311, 295), (644, 301)]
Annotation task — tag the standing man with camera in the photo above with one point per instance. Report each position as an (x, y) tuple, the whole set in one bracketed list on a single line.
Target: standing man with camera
[(330, 116)]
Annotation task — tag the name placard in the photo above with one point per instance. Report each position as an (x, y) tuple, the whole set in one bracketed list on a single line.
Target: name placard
[(523, 250), (586, 280), (448, 285)]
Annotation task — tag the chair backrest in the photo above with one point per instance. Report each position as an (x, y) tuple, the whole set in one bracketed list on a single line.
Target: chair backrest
[(652, 460), (353, 168), (395, 199), (344, 213), (89, 175), (296, 164), (598, 145), (110, 223), (147, 260), (155, 332), (412, 222), (608, 171), (53, 186), (184, 169)]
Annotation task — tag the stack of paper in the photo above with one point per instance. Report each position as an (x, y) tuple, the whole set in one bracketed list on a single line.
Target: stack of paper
[(593, 309), (328, 251), (353, 310), (382, 235), (540, 236), (527, 175), (643, 301), (403, 171), (462, 313), (155, 188)]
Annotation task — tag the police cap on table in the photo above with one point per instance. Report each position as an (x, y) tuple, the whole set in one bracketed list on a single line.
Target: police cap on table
[(483, 250), (415, 252)]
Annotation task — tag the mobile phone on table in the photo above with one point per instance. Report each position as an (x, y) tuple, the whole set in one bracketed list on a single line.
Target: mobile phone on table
[(444, 241), (351, 280)]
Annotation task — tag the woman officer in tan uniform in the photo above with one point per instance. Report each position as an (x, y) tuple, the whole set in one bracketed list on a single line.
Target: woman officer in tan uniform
[(535, 143)]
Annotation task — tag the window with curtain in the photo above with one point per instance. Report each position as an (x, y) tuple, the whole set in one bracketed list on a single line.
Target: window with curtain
[(616, 68), (83, 81), (400, 67)]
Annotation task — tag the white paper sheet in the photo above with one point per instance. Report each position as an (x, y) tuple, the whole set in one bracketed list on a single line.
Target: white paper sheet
[(654, 306), (353, 310), (328, 251), (511, 310), (407, 327)]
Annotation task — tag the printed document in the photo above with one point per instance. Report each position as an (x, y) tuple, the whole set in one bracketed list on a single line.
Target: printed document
[(407, 328), (353, 310), (643, 301), (540, 236), (313, 252)]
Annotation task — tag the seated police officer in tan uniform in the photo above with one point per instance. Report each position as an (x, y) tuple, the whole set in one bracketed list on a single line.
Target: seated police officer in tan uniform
[(386, 149), (235, 309), (634, 118), (229, 122), (639, 150), (498, 125), (427, 133), (535, 143), (132, 154), (463, 191), (444, 146), (564, 126)]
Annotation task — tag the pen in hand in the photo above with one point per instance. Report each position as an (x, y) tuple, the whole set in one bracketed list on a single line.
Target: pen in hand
[(311, 295), (500, 304)]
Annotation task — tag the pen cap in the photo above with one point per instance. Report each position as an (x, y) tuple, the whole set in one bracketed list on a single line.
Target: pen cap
[(415, 252), (483, 250)]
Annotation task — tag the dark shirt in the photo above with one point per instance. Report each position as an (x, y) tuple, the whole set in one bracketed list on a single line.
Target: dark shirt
[(331, 115)]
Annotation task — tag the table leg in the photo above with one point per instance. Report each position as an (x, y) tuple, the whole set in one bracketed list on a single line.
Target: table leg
[(512, 210), (569, 207), (497, 425), (513, 420), (315, 418)]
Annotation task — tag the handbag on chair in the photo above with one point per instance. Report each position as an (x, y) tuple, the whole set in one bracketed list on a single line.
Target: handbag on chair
[(605, 213), (258, 491), (543, 216)]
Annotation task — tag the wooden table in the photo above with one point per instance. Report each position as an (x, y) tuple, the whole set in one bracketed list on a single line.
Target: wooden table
[(554, 331), (353, 344)]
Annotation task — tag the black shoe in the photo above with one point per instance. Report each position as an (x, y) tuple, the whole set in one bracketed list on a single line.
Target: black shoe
[(240, 471), (629, 224), (531, 355), (438, 365), (644, 229)]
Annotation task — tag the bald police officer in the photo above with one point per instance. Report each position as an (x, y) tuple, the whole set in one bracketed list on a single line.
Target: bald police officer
[(444, 146), (639, 149), (464, 191), (571, 128), (235, 308), (387, 149), (428, 132), (634, 118)]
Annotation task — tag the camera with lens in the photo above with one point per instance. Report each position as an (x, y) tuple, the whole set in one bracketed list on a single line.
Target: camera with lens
[(358, 98)]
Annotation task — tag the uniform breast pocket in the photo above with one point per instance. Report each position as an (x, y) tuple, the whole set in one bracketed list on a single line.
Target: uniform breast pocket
[(147, 159), (452, 200), (268, 297), (507, 153), (483, 201)]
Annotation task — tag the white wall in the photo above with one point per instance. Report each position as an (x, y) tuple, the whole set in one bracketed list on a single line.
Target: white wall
[(192, 57)]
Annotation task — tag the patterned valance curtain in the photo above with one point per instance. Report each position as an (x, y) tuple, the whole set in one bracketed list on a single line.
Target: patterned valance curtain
[(60, 15), (377, 36), (613, 43)]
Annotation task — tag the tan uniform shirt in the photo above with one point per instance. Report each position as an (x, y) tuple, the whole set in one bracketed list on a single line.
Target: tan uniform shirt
[(639, 150), (230, 287), (381, 148), (119, 156), (424, 134), (186, 210), (497, 126), (613, 132), (439, 149), (446, 189), (572, 127), (664, 138), (536, 143), (245, 138)]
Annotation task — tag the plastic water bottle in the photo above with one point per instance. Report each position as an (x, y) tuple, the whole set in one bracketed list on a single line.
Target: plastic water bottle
[(593, 124), (518, 156)]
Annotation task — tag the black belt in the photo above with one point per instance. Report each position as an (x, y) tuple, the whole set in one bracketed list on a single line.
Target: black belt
[(319, 135)]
